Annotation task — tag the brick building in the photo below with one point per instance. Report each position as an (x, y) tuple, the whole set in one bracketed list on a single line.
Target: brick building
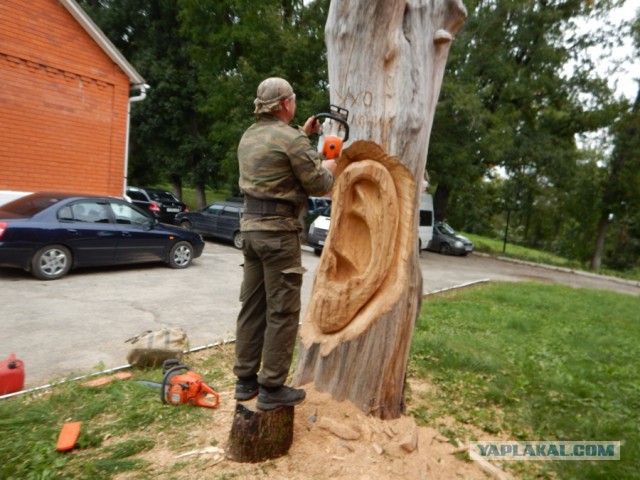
[(64, 101)]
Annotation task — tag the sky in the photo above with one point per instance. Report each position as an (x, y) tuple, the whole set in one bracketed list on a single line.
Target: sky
[(625, 82)]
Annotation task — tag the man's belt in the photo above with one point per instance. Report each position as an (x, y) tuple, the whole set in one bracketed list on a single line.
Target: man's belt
[(257, 207)]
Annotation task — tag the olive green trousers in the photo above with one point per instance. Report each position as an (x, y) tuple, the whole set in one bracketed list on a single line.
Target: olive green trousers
[(267, 324)]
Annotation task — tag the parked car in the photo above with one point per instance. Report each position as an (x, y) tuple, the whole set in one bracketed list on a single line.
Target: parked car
[(446, 241), (315, 204), (164, 205), (220, 220), (50, 233), (319, 229)]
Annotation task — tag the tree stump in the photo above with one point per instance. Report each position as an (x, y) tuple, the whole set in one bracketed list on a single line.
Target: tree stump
[(259, 435)]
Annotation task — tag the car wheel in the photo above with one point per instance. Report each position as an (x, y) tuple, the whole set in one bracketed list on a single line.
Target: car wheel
[(51, 262), (317, 251), (181, 255), (445, 249), (419, 245), (238, 241), (186, 225)]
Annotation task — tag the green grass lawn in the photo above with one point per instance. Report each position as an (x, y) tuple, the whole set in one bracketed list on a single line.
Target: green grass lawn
[(120, 420), (495, 248), (535, 362), (512, 361), (190, 198)]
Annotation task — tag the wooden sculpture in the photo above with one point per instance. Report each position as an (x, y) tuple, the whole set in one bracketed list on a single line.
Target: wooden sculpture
[(386, 64)]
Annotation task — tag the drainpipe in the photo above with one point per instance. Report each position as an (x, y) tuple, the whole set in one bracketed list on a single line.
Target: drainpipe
[(142, 88)]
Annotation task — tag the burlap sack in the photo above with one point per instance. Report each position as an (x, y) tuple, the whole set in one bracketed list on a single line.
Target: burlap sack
[(150, 349)]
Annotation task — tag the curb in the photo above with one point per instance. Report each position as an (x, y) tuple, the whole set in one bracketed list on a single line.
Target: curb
[(633, 283)]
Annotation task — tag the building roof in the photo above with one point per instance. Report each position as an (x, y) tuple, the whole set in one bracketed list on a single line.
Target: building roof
[(103, 42)]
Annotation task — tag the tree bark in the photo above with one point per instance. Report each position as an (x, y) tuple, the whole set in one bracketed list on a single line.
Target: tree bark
[(603, 225), (201, 195), (259, 435), (440, 202), (176, 185), (386, 63)]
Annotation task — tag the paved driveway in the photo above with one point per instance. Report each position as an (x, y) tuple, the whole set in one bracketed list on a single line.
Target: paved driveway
[(78, 325)]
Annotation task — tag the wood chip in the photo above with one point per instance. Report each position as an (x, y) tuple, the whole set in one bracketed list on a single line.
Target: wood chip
[(204, 451), (489, 468), (409, 442), (339, 430), (347, 445)]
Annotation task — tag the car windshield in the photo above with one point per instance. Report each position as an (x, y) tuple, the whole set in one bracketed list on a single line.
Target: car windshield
[(31, 204), (161, 196), (325, 211), (447, 229)]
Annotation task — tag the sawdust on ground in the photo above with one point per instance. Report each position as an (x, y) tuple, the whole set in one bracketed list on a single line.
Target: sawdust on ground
[(332, 440)]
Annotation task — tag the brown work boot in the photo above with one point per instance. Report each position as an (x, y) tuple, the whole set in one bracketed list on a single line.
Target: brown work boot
[(279, 397)]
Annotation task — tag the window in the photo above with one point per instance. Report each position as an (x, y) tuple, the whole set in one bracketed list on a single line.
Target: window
[(426, 218), (127, 215), (98, 214), (231, 212), (87, 212), (65, 213), (138, 196), (160, 196), (29, 205), (214, 210)]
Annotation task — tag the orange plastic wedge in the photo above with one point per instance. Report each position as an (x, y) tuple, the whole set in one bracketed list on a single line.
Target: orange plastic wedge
[(68, 436)]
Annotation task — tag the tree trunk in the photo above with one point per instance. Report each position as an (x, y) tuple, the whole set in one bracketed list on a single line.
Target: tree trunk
[(440, 202), (596, 259), (259, 435), (386, 63), (176, 185), (201, 195)]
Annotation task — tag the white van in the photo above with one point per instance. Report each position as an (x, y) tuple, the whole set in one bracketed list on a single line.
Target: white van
[(425, 226)]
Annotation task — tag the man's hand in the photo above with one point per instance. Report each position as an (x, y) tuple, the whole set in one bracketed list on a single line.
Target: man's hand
[(312, 126), (330, 165)]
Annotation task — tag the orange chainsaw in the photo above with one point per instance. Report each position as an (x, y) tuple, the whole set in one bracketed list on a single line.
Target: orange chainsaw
[(186, 388), (335, 131)]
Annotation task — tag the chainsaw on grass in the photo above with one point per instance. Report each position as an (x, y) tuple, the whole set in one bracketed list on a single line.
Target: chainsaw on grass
[(181, 386), (335, 131)]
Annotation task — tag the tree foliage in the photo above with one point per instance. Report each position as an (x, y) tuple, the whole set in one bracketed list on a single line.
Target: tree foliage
[(168, 132), (237, 44), (508, 117), (519, 89), (203, 61)]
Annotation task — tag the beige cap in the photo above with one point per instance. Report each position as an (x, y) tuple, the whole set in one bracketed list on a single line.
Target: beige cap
[(270, 92)]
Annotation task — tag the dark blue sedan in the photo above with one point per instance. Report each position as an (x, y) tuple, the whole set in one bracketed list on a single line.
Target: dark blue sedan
[(220, 219), (50, 233)]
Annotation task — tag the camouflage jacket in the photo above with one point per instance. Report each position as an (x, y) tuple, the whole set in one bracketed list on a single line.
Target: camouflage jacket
[(278, 162)]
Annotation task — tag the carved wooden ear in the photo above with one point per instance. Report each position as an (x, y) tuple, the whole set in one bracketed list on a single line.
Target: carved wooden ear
[(360, 244), (371, 240)]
